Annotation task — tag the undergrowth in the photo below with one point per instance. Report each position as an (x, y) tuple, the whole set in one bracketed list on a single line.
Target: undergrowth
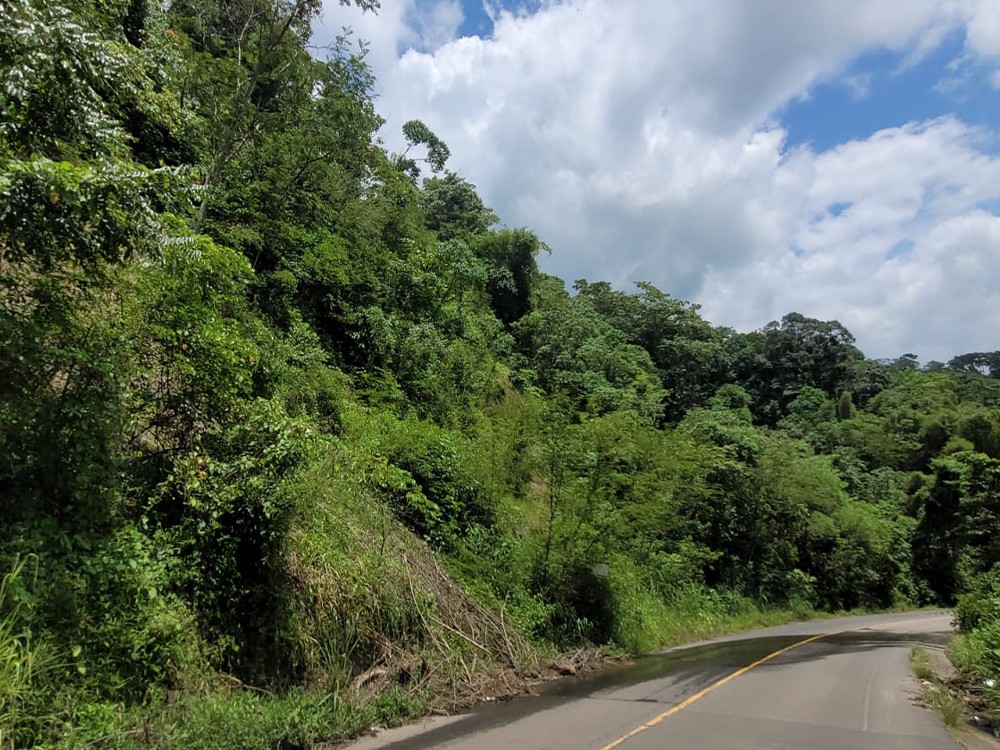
[(233, 719), (944, 697), (22, 662)]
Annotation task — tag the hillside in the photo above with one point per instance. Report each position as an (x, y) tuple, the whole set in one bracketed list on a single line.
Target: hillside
[(298, 439)]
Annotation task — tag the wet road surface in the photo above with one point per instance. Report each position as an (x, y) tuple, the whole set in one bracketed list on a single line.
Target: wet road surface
[(851, 687)]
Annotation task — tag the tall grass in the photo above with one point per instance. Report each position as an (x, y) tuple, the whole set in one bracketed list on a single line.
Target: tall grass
[(920, 662), (646, 620), (976, 656), (19, 662)]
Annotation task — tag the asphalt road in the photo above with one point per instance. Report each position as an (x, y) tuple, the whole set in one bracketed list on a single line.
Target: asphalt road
[(784, 687)]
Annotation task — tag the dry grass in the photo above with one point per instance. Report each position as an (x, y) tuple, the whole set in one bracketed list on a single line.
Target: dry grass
[(377, 611)]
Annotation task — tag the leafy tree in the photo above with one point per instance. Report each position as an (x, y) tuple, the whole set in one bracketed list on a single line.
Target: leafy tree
[(956, 537), (845, 406), (573, 351), (981, 363), (811, 408), (453, 209), (904, 363), (510, 256), (418, 134), (777, 362), (686, 350), (75, 209), (867, 378), (244, 72)]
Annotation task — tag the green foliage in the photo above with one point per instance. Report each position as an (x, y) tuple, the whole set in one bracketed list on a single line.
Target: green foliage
[(958, 531), (233, 719), (976, 655), (419, 469), (845, 406), (687, 352), (573, 351), (22, 663), (132, 631), (453, 209), (980, 604), (497, 568), (248, 362), (979, 363), (975, 608), (418, 134), (920, 662), (947, 703), (71, 78), (512, 271), (777, 362), (61, 218), (251, 721)]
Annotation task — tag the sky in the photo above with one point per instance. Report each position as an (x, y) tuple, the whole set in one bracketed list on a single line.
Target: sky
[(837, 158)]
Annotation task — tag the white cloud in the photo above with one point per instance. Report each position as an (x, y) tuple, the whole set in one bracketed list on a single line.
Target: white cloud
[(859, 85), (641, 141), (983, 30), (435, 24), (891, 241)]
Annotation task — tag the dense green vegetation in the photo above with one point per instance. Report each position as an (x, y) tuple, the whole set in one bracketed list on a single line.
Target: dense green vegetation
[(296, 435)]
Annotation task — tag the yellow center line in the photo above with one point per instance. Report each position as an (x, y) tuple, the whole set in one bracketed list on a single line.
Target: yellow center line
[(702, 693)]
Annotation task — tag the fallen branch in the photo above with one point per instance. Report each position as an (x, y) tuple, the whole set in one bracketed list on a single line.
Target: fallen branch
[(364, 678), (460, 634)]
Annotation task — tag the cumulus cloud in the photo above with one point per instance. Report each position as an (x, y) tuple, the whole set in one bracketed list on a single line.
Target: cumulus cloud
[(888, 235), (642, 140)]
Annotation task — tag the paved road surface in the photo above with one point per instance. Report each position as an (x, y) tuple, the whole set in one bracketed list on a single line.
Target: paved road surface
[(849, 688)]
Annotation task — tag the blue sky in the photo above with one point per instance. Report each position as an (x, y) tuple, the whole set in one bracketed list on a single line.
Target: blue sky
[(476, 20), (897, 91), (839, 158)]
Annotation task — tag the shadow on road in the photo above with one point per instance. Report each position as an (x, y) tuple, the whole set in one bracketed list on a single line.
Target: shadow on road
[(682, 671)]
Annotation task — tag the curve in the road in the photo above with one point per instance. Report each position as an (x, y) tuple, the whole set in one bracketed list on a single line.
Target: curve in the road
[(823, 685), (705, 691)]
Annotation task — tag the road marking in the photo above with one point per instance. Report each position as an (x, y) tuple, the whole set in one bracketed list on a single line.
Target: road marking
[(702, 693)]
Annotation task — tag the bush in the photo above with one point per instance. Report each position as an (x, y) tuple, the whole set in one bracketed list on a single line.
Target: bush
[(419, 470), (640, 615), (976, 608), (977, 657), (227, 719)]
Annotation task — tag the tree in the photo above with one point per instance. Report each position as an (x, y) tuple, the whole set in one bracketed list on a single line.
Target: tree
[(778, 361), (572, 350), (686, 350), (453, 209), (418, 134), (957, 535), (980, 363), (510, 256), (845, 406), (76, 209), (244, 66)]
